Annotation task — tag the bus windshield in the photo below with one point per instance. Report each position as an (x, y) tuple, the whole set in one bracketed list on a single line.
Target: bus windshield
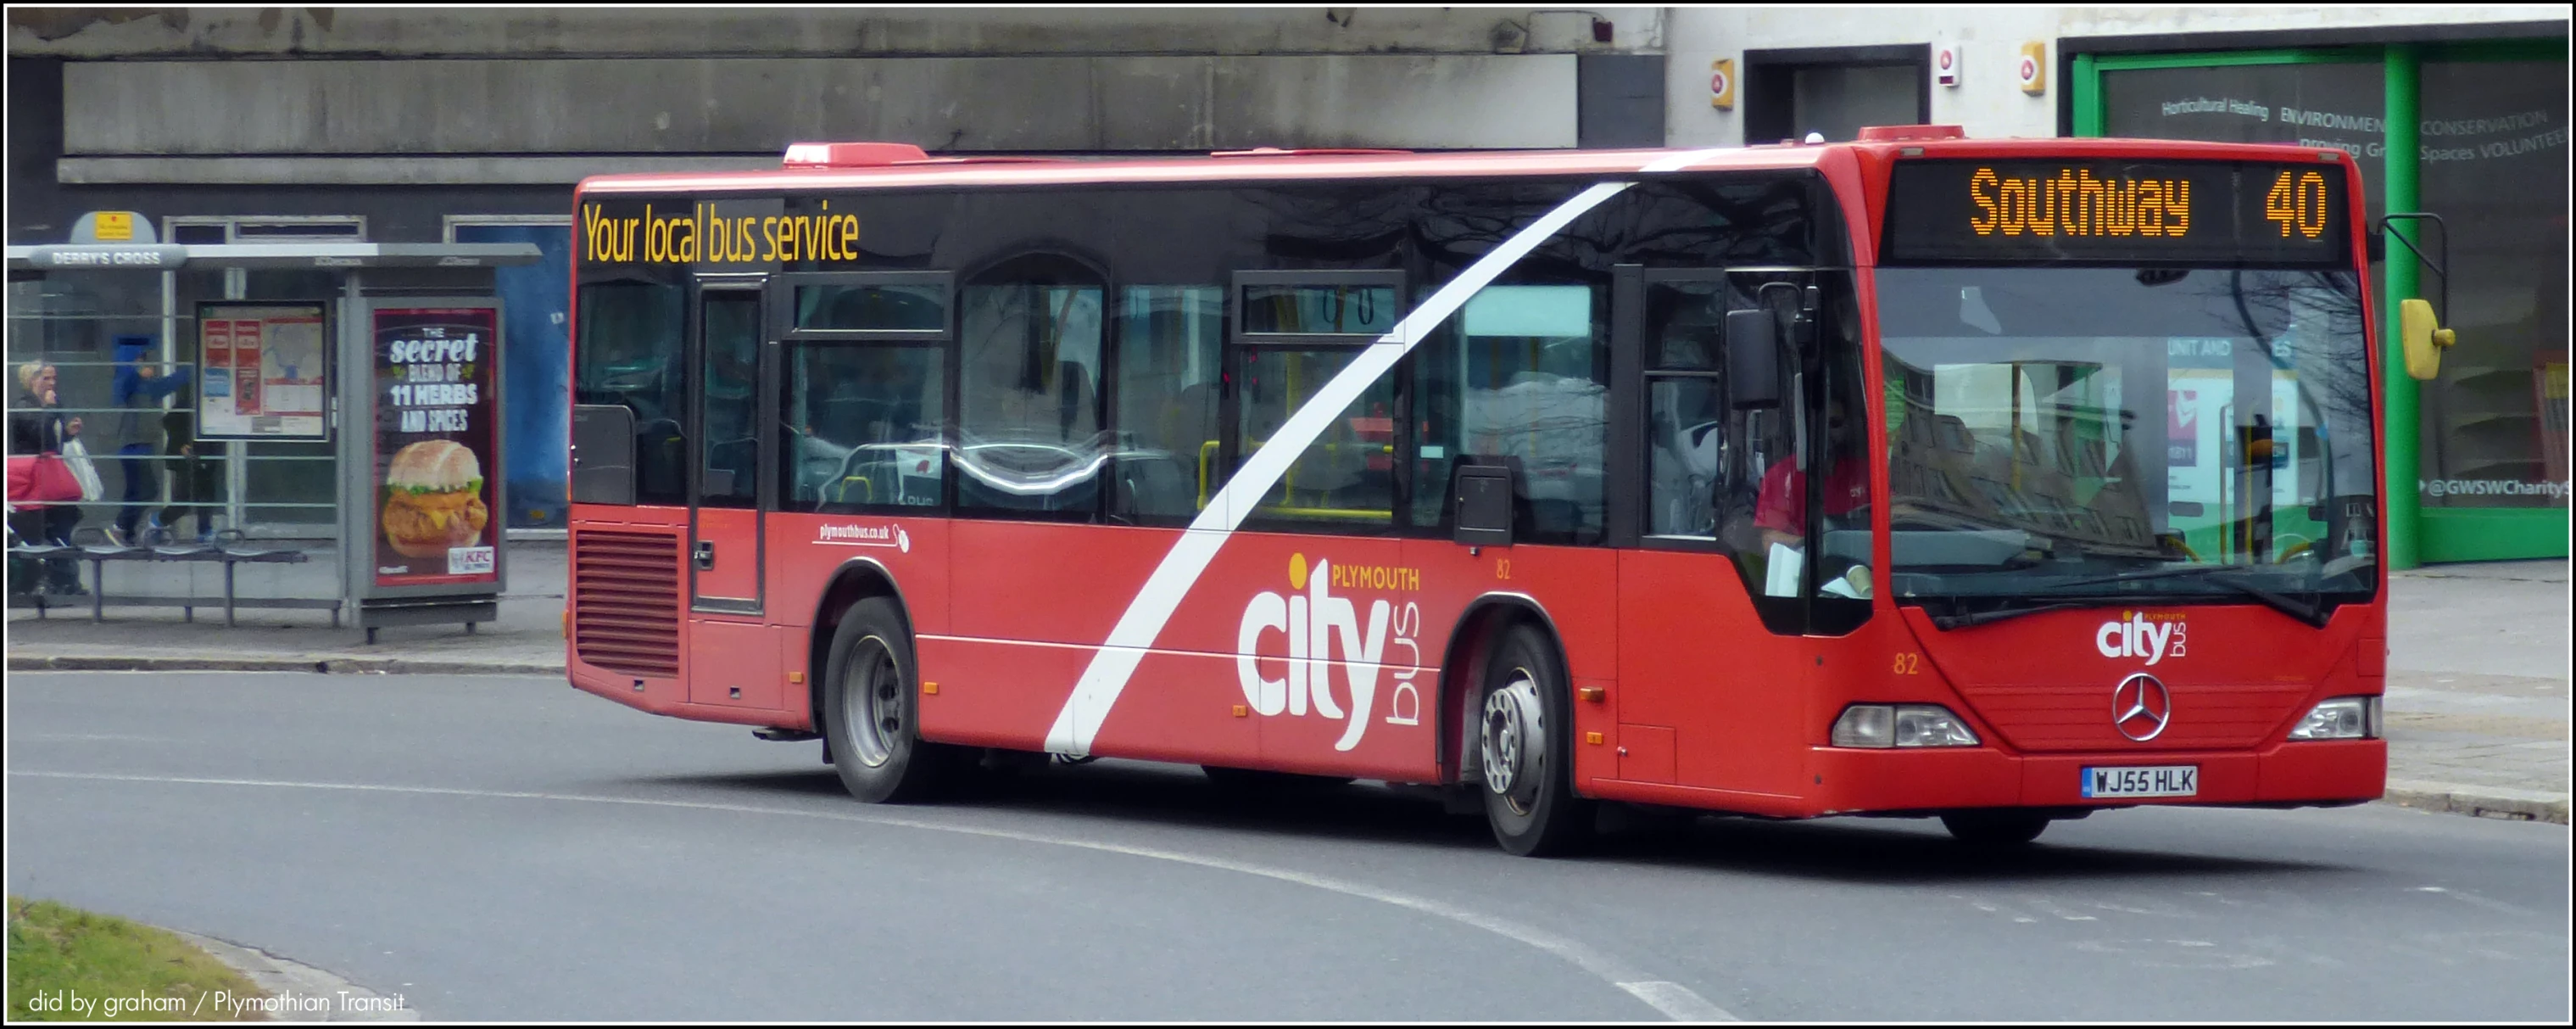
[(2029, 463)]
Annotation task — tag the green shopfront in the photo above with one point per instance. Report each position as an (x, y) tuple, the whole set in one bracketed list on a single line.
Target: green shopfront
[(2476, 133)]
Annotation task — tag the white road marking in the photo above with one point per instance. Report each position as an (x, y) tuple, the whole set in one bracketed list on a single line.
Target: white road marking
[(1078, 723), (2200, 955), (1673, 1000), (2162, 908), (2474, 900), (1677, 1001), (2046, 907)]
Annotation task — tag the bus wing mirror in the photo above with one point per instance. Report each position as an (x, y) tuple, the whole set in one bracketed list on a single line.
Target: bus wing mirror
[(1753, 347), (2423, 337)]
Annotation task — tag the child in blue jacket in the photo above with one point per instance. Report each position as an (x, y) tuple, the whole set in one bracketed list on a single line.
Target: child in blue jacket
[(136, 392)]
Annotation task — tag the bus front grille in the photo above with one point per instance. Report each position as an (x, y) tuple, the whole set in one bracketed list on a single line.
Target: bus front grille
[(2203, 716), (626, 601)]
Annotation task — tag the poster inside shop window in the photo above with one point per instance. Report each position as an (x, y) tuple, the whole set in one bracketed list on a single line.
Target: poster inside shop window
[(262, 371), (437, 442)]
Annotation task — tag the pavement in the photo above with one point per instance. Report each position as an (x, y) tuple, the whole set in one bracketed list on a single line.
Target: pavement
[(2477, 710), (2477, 705), (526, 639), (297, 992)]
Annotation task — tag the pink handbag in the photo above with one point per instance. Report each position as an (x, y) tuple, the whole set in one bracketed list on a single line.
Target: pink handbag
[(39, 479)]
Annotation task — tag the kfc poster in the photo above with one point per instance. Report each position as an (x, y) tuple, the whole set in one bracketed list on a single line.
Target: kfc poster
[(436, 452)]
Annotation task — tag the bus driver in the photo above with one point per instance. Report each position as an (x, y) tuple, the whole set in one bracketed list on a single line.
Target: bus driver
[(1781, 508)]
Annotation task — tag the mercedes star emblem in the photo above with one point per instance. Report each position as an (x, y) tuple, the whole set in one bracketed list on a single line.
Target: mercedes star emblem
[(2140, 707)]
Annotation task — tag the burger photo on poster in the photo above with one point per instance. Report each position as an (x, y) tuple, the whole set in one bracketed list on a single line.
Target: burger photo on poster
[(434, 499)]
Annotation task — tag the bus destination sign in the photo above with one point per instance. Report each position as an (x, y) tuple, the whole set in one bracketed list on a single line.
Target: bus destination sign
[(2194, 212)]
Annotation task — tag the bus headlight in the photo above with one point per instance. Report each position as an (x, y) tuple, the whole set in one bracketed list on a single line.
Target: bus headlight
[(1901, 725), (2342, 718)]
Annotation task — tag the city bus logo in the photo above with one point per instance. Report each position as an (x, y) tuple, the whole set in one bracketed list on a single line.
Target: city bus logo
[(1309, 620), (2137, 635), (2141, 706)]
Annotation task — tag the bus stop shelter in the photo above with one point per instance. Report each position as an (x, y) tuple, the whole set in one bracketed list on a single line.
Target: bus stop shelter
[(261, 396)]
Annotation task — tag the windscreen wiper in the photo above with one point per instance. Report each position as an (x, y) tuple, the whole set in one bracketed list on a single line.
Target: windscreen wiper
[(1947, 622), (2309, 612)]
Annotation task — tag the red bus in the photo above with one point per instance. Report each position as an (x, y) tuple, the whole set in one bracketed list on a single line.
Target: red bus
[(1789, 481)]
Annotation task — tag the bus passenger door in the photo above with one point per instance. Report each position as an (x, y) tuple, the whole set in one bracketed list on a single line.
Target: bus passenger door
[(1712, 683), (727, 641)]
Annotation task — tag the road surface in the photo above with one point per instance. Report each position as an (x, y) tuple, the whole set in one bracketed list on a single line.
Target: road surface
[(507, 848)]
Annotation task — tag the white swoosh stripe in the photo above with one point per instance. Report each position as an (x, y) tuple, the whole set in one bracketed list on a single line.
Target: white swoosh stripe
[(1111, 666)]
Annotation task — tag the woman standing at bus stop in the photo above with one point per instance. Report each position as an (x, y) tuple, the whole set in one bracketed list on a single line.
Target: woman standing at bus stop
[(37, 426)]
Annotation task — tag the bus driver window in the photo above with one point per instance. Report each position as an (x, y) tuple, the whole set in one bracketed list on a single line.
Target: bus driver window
[(1780, 509)]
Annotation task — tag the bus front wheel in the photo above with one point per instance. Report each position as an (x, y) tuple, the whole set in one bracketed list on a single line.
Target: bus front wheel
[(872, 705), (1525, 749)]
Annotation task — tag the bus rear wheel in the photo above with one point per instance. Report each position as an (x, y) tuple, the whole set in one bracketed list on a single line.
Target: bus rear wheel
[(1995, 828), (1525, 749), (872, 706)]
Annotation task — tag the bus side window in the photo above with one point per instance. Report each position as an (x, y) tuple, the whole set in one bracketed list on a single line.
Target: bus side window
[(1687, 439), (729, 336), (1296, 332), (630, 334), (1029, 395), (861, 427), (1165, 463), (1522, 372)]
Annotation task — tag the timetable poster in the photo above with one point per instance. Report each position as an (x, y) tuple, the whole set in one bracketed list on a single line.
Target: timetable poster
[(262, 371), (435, 446)]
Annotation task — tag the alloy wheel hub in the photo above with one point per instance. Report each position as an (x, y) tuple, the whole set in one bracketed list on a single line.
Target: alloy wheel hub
[(1514, 739)]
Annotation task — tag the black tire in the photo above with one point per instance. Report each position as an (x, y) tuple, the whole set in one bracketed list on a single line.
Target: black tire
[(1525, 770), (2001, 827), (1257, 781), (871, 709)]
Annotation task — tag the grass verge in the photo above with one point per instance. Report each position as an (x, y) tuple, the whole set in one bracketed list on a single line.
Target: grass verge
[(66, 964)]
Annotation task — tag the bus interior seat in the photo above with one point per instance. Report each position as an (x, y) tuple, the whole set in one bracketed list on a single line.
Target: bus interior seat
[(853, 475), (1156, 484)]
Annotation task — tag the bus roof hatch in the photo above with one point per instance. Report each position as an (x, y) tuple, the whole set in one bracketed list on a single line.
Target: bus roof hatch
[(1909, 133), (851, 155)]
